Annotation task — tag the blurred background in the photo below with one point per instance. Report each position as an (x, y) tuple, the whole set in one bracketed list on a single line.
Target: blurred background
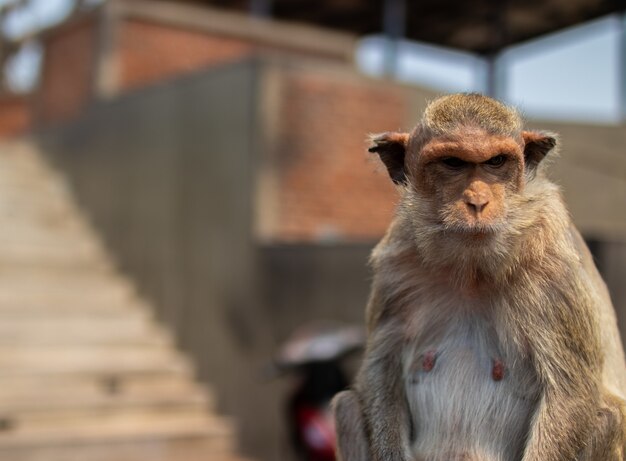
[(184, 187)]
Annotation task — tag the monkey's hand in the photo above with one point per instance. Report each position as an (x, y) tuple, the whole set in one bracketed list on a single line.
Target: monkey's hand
[(560, 429), (608, 437)]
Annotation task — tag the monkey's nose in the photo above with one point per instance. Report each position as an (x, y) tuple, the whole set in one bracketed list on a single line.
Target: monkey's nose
[(477, 204), (476, 197)]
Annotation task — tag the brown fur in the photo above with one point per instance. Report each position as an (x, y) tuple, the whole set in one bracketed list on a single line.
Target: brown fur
[(482, 266)]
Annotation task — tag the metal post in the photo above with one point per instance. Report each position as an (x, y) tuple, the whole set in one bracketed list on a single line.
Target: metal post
[(261, 8), (496, 76), (622, 69), (394, 26), (491, 76)]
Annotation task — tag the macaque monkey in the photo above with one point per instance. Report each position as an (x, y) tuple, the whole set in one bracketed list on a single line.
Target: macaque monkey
[(491, 336)]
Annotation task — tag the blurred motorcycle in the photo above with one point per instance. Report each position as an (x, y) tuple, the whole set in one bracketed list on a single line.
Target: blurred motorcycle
[(314, 354)]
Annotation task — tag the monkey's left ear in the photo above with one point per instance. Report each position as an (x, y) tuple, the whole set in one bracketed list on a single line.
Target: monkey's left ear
[(391, 148), (537, 144)]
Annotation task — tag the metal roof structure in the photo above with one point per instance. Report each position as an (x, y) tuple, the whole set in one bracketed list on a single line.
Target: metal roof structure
[(480, 26)]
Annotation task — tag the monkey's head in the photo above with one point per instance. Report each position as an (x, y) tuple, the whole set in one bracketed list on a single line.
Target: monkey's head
[(465, 163)]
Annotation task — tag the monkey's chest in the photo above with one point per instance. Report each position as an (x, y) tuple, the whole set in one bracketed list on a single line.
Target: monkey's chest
[(468, 400)]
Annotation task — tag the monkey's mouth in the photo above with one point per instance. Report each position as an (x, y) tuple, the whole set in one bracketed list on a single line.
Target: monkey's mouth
[(480, 234), (473, 227), (476, 231)]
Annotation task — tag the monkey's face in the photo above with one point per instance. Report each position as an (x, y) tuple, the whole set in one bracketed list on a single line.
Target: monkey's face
[(468, 178), (466, 182)]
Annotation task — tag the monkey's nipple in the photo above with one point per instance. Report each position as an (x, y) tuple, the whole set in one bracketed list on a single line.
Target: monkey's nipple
[(428, 361), (497, 371)]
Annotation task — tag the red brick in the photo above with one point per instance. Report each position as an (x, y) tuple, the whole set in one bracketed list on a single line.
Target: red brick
[(151, 52), (15, 116), (327, 182), (67, 73)]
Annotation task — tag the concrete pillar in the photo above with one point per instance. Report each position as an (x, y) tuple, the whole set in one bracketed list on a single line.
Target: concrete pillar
[(394, 28), (496, 75), (491, 76), (261, 8), (622, 68)]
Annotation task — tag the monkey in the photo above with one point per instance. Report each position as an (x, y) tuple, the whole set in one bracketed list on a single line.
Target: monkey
[(491, 335)]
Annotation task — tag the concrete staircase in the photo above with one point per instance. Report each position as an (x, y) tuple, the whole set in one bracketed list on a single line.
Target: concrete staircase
[(85, 372)]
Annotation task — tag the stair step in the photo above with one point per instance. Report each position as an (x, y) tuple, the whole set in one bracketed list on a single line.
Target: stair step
[(132, 305), (22, 253), (55, 386), (33, 273), (102, 370), (19, 214), (33, 304), (104, 402), (71, 246), (126, 379), (24, 182), (52, 260), (20, 281), (196, 425), (24, 203), (38, 226), (189, 441), (24, 234), (103, 417), (86, 373), (79, 333), (87, 358), (64, 296)]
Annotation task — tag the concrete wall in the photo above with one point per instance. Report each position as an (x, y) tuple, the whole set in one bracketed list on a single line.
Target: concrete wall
[(611, 260), (311, 282), (165, 175), (591, 169)]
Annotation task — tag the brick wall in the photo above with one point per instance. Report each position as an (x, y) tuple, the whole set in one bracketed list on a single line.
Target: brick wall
[(15, 115), (68, 71), (328, 186), (150, 52), (132, 45)]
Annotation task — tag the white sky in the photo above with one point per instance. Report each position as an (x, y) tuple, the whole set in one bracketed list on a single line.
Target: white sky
[(570, 75), (43, 12), (573, 74)]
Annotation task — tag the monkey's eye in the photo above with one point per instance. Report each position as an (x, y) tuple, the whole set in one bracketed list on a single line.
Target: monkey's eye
[(454, 162), (496, 161)]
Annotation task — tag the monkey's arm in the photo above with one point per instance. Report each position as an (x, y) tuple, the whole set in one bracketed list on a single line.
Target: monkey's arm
[(614, 371), (559, 429), (373, 418), (371, 422), (558, 434), (566, 349), (381, 390), (609, 440)]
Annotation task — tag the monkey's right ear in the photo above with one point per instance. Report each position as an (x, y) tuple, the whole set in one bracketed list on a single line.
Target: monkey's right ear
[(391, 148)]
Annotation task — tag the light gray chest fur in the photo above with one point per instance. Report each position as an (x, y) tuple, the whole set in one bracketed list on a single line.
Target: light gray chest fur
[(469, 398)]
